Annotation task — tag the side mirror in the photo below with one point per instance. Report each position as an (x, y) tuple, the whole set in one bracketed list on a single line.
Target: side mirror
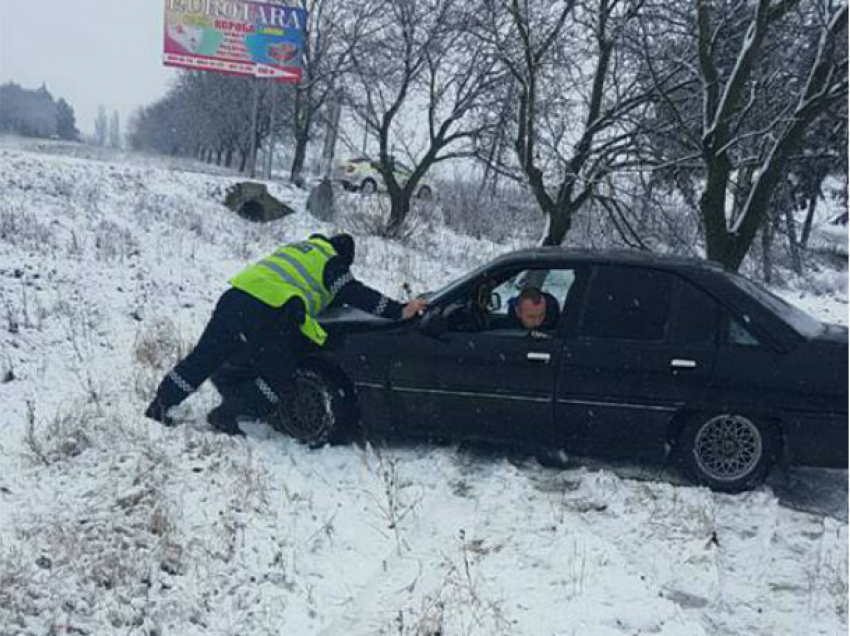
[(432, 323)]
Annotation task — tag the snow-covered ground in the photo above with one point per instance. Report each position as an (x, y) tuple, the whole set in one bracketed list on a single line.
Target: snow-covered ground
[(110, 524)]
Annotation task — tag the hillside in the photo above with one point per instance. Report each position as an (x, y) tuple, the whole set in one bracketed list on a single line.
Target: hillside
[(111, 524)]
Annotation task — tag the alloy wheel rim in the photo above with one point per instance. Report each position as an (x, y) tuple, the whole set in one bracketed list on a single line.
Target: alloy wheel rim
[(728, 447)]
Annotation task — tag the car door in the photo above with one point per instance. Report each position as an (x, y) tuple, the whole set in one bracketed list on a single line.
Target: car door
[(644, 348), (749, 369), (476, 385), (480, 384)]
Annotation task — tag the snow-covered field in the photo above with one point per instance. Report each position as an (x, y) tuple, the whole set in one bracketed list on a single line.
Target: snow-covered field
[(110, 524)]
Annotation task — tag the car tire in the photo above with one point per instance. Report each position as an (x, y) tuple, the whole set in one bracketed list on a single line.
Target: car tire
[(424, 193), (368, 186), (728, 452), (319, 409)]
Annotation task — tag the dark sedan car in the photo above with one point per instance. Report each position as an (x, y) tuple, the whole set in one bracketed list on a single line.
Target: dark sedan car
[(652, 357)]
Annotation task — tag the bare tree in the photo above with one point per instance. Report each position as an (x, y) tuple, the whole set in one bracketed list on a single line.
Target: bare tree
[(333, 31), (115, 130), (101, 127), (766, 71), (576, 118), (418, 85), (207, 116)]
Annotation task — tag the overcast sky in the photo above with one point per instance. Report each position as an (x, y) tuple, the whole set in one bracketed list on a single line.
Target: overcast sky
[(89, 52)]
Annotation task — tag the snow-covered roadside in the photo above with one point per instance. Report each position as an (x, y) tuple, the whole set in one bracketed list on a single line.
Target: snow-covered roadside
[(110, 524)]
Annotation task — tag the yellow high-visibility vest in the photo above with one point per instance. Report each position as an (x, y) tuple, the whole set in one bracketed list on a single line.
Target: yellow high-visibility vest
[(292, 270)]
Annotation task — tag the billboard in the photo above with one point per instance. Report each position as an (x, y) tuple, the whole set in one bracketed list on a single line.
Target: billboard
[(239, 37)]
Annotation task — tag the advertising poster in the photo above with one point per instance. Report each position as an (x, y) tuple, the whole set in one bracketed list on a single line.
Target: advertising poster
[(238, 37)]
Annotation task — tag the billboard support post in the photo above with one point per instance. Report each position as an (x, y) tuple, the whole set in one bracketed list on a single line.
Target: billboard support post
[(272, 123), (255, 89)]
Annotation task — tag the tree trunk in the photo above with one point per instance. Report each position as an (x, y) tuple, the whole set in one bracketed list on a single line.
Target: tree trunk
[(791, 230), (399, 209), (228, 158), (243, 161), (298, 159), (807, 224), (303, 121), (712, 208), (558, 223), (767, 250)]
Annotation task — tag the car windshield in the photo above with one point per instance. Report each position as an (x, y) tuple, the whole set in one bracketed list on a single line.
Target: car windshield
[(801, 322), (438, 294)]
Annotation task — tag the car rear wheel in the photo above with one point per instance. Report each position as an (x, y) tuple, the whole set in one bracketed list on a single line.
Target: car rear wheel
[(728, 452), (368, 186), (319, 410)]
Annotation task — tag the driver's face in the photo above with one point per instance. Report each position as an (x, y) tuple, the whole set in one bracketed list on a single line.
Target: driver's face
[(530, 315)]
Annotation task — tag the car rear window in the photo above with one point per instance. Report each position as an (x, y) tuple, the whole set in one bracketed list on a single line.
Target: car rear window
[(628, 303), (801, 322)]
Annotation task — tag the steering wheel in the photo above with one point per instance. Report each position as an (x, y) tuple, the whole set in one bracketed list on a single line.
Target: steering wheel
[(465, 316)]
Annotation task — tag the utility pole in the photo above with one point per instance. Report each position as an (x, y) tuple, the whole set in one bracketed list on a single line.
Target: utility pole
[(270, 155), (253, 152)]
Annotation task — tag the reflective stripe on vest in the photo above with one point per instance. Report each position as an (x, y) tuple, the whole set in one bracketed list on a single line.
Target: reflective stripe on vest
[(322, 297), (313, 301)]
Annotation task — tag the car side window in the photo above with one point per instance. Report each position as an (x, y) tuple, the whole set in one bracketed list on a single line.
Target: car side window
[(628, 303), (496, 306), (556, 282), (738, 334), (696, 318)]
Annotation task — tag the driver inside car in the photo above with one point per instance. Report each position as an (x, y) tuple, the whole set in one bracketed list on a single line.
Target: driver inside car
[(532, 310)]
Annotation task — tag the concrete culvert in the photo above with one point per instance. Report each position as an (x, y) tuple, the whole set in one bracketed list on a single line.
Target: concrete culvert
[(252, 201), (252, 210)]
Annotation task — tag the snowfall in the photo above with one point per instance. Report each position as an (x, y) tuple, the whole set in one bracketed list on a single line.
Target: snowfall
[(110, 264)]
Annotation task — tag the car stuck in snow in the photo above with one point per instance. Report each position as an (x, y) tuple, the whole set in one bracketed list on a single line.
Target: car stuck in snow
[(651, 357)]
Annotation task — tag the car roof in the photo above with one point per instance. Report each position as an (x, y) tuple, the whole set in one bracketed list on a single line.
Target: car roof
[(553, 257), (611, 257)]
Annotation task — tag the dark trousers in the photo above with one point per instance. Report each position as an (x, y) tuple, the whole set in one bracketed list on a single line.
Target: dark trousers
[(258, 337)]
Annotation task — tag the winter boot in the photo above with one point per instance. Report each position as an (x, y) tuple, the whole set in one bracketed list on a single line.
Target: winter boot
[(158, 411), (223, 418)]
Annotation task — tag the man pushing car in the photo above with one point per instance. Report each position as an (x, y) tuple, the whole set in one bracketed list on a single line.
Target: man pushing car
[(265, 317)]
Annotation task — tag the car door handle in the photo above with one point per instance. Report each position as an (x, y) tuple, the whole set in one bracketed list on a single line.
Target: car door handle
[(681, 363), (536, 356)]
